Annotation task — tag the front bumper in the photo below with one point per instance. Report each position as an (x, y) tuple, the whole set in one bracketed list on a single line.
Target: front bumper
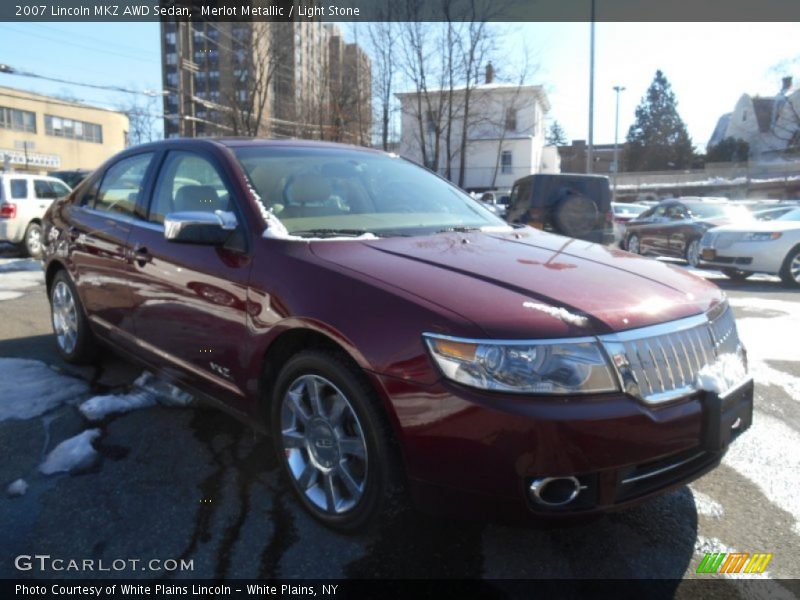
[(469, 452), (758, 257)]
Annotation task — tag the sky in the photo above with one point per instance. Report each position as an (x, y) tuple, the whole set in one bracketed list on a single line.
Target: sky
[(710, 65)]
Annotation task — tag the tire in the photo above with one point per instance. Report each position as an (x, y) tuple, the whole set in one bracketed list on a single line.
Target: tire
[(33, 244), (633, 245), (790, 270), (692, 253), (736, 274), (74, 339), (338, 453), (575, 216)]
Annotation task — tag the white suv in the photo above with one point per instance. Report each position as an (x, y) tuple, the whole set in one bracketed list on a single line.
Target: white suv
[(23, 202)]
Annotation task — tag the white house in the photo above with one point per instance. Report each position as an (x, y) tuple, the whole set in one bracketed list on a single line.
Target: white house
[(769, 124), (505, 133)]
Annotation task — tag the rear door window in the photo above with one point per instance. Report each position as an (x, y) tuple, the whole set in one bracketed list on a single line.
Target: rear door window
[(19, 189), (122, 185), (44, 189)]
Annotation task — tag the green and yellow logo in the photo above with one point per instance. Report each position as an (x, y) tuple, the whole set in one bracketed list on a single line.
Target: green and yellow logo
[(734, 562)]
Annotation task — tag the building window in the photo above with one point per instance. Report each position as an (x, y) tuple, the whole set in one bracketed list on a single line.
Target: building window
[(430, 122), (74, 130), (505, 162), (18, 120), (744, 115), (511, 119)]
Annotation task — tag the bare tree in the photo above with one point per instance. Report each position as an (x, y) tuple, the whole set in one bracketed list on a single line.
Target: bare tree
[(144, 117)]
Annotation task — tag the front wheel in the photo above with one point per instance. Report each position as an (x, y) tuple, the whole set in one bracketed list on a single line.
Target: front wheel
[(736, 274), (790, 271), (692, 253), (333, 441)]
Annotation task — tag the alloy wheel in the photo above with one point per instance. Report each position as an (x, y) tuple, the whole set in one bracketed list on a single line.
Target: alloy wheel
[(65, 317), (324, 444), (33, 241), (633, 244), (794, 268)]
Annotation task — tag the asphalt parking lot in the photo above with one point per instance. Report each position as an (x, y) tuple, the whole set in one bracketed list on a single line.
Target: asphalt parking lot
[(192, 483)]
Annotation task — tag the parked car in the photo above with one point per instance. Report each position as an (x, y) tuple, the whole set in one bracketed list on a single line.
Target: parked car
[(392, 335), (624, 212), (23, 202), (674, 227), (759, 247), (497, 201), (71, 178), (577, 206), (770, 214)]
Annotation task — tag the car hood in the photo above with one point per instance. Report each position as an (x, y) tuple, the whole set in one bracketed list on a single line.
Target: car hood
[(528, 283), (759, 226)]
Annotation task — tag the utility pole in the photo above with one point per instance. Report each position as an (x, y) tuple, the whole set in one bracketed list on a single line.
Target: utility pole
[(617, 89), (590, 148)]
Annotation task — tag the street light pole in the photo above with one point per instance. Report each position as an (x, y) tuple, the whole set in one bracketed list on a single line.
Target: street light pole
[(617, 89)]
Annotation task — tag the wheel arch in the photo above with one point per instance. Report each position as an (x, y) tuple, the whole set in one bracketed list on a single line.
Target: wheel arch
[(297, 338)]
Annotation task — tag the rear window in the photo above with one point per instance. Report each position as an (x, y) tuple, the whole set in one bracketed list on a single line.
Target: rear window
[(19, 188)]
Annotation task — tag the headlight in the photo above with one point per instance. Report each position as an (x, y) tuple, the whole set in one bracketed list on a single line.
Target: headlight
[(531, 367), (761, 236)]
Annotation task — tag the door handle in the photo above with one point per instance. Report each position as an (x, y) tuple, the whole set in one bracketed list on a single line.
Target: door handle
[(141, 255)]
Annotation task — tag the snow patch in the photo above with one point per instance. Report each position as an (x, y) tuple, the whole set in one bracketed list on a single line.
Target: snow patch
[(765, 454), (165, 393), (722, 375), (17, 488), (31, 388), (147, 391), (99, 407), (13, 283), (20, 264), (73, 454), (706, 505), (559, 313)]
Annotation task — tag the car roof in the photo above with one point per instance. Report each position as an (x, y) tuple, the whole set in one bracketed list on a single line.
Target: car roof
[(241, 142)]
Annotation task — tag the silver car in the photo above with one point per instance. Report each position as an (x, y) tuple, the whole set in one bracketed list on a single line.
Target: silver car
[(756, 247)]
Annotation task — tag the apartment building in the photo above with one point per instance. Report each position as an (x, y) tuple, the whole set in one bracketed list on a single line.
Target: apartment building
[(271, 79), (41, 133)]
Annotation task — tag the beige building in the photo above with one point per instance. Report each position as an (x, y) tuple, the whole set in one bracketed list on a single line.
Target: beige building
[(275, 79), (40, 133)]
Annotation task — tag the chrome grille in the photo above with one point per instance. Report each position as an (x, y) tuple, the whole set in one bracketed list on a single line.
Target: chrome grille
[(661, 363), (725, 239)]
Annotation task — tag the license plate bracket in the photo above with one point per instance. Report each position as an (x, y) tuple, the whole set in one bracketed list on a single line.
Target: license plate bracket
[(726, 417), (708, 254)]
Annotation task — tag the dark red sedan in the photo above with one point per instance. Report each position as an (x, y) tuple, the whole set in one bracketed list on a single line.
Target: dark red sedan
[(392, 334)]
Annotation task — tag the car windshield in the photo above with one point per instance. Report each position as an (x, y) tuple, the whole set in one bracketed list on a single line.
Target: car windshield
[(701, 210), (792, 215), (324, 192)]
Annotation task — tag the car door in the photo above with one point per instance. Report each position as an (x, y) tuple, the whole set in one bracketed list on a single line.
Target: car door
[(649, 229), (190, 311), (677, 227), (99, 224)]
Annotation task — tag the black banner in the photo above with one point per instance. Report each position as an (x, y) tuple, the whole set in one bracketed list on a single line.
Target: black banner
[(412, 589), (400, 10)]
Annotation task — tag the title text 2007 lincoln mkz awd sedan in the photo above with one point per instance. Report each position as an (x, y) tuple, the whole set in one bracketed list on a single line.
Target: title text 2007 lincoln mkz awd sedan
[(392, 334)]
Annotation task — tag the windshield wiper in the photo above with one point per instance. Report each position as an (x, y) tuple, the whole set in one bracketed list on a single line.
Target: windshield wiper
[(461, 229), (322, 233)]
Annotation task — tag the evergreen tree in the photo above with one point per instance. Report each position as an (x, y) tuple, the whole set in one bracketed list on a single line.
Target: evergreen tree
[(658, 140), (728, 150), (556, 135)]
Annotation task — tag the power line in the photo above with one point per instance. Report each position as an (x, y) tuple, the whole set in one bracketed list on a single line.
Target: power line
[(78, 45), (112, 88), (99, 42)]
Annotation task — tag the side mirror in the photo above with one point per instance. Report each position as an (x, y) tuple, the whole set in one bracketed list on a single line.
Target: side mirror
[(206, 228)]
